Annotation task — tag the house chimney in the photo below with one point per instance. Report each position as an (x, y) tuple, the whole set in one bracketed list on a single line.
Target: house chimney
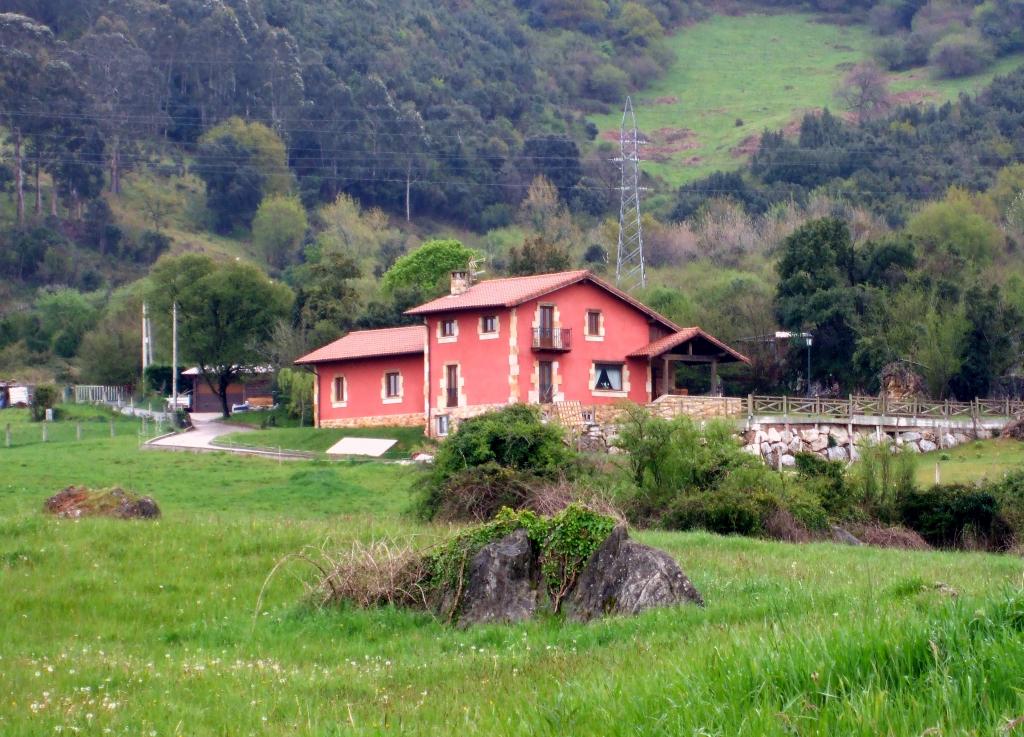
[(460, 282)]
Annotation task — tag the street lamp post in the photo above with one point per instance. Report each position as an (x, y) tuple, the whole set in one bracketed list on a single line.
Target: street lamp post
[(808, 341)]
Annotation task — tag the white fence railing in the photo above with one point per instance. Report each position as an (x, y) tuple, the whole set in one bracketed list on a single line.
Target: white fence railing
[(95, 394)]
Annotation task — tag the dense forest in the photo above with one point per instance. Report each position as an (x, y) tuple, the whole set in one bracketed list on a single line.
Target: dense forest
[(320, 144)]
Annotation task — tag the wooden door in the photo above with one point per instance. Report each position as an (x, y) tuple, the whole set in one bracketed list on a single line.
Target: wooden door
[(452, 382), (545, 382)]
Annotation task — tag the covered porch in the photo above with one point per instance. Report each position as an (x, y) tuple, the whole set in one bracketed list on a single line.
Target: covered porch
[(692, 347)]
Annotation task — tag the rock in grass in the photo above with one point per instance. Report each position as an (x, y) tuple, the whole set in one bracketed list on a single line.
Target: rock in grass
[(503, 582), (626, 577)]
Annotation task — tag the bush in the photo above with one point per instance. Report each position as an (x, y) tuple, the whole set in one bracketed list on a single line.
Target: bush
[(826, 480), (729, 512), (1010, 494), (513, 438), (956, 516), (961, 55), (46, 395), (880, 478), (668, 458), (751, 501)]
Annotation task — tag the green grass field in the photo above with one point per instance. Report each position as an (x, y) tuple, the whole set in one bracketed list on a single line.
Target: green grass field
[(989, 460), (143, 628), (763, 70), (319, 440)]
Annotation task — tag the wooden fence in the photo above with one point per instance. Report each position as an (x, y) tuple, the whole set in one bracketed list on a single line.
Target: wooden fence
[(854, 406)]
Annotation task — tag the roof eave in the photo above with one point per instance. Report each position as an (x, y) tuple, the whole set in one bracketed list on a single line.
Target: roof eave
[(307, 361)]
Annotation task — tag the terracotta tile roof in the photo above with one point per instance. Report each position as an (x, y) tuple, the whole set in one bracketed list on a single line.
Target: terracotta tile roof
[(516, 290), (663, 345), (370, 344)]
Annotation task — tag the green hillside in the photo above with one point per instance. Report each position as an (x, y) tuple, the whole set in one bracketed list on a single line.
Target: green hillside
[(733, 77)]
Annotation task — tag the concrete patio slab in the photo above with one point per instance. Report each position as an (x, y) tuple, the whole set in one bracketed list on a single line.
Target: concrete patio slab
[(373, 447)]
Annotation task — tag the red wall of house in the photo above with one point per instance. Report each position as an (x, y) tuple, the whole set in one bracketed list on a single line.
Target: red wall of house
[(483, 362), (365, 377), (625, 330)]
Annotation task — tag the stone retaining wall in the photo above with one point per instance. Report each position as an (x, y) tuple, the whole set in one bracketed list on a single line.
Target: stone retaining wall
[(778, 444), (408, 420)]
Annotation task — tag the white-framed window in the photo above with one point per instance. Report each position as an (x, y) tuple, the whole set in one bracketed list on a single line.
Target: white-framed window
[(488, 324), (442, 424), (447, 330), (593, 325), (339, 390), (608, 377), (392, 385)]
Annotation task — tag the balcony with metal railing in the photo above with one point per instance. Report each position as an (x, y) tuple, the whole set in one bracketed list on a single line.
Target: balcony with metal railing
[(552, 339)]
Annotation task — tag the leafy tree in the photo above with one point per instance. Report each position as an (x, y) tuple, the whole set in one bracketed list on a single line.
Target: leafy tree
[(951, 235), (227, 313), (961, 55), (347, 228), (816, 292), (241, 163), (297, 389), (636, 25), (556, 158), (992, 344), (326, 299), (278, 228), (537, 256), (426, 269), (65, 316)]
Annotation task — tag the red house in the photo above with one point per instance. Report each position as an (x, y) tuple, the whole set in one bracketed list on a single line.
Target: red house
[(561, 337)]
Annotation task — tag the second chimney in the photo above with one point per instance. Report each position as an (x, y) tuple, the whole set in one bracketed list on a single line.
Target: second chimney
[(460, 282)]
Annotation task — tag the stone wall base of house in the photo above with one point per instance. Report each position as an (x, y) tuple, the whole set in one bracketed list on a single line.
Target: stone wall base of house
[(409, 420), (457, 414)]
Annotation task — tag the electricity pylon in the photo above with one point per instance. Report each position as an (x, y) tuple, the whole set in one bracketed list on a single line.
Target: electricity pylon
[(630, 271)]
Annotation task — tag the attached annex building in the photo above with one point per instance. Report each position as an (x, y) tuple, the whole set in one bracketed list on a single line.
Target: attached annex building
[(563, 337)]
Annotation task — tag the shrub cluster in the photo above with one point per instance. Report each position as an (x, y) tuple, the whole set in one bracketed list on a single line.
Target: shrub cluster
[(505, 458), (686, 478)]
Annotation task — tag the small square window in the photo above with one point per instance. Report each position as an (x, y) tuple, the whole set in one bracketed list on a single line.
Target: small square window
[(447, 328), (593, 322), (442, 424), (609, 377), (391, 384), (489, 324)]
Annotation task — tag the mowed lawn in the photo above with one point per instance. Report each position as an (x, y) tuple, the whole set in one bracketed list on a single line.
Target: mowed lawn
[(407, 439), (990, 460), (735, 76), (150, 628)]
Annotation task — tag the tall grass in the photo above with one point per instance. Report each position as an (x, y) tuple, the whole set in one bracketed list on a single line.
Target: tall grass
[(147, 628)]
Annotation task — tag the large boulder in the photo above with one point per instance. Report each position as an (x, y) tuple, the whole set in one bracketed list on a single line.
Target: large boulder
[(503, 581), (836, 454), (626, 577)]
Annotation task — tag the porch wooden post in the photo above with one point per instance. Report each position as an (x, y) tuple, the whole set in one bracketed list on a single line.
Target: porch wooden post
[(714, 378), (665, 385)]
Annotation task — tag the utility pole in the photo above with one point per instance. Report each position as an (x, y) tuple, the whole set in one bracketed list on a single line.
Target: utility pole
[(145, 339), (630, 270), (174, 356)]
